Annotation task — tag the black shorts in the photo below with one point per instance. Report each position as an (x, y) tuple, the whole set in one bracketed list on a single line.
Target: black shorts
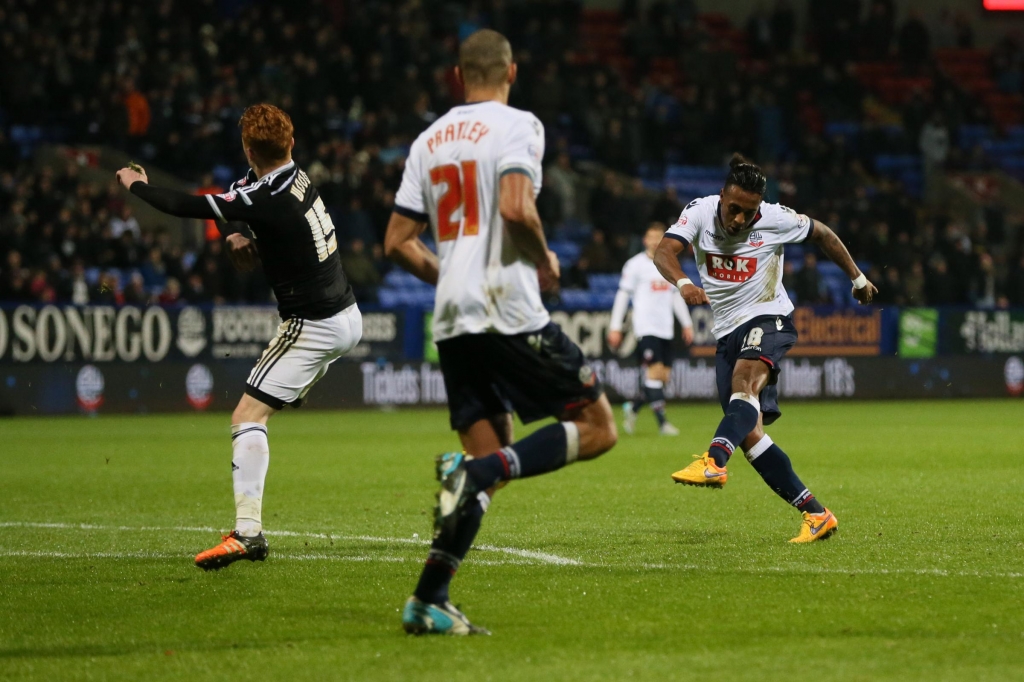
[(536, 375), (774, 337), (651, 350)]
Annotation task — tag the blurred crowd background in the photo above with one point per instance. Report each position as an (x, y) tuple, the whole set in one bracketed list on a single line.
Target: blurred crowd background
[(859, 117)]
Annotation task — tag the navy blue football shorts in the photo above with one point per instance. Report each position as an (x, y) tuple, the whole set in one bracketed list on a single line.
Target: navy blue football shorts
[(766, 338), (536, 375), (651, 350)]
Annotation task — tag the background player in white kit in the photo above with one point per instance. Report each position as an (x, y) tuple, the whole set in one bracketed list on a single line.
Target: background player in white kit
[(738, 241), (474, 175), (654, 302)]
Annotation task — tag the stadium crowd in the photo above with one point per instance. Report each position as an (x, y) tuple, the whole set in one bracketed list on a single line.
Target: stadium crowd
[(167, 82)]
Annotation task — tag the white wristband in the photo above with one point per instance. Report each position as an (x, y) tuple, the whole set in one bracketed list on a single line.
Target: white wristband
[(683, 281), (860, 282)]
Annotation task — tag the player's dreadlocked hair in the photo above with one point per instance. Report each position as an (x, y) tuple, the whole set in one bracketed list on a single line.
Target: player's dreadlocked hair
[(746, 175)]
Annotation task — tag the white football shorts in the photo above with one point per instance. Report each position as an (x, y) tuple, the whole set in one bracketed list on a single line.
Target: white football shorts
[(299, 356)]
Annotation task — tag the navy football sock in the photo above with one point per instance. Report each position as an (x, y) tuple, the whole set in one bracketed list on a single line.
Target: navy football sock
[(739, 420), (546, 449), (641, 396), (447, 552), (656, 397), (777, 471)]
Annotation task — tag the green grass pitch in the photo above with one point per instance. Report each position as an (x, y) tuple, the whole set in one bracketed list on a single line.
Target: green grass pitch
[(603, 571)]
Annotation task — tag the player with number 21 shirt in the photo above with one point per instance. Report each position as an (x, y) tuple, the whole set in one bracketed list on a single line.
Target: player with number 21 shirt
[(473, 177), (738, 241)]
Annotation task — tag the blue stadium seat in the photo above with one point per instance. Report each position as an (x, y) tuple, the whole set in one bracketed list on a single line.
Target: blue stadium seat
[(587, 300), (843, 129), (568, 252), (601, 282)]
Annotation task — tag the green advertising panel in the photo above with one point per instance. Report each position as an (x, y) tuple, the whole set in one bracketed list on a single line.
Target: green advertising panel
[(919, 332), (429, 347)]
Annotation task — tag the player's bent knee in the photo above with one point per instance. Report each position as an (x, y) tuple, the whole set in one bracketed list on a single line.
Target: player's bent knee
[(598, 433), (251, 410)]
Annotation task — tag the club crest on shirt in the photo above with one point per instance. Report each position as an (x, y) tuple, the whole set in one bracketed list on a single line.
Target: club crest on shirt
[(242, 182), (756, 239), (230, 196)]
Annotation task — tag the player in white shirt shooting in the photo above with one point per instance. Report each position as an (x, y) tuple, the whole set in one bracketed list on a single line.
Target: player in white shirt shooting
[(738, 240), (654, 302)]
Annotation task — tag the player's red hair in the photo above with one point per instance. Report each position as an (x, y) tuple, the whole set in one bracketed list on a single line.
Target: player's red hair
[(267, 131)]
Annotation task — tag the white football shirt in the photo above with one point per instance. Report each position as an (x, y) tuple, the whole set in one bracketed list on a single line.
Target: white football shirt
[(451, 179), (742, 275), (654, 300)]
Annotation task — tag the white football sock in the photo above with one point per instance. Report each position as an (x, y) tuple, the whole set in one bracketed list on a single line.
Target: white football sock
[(249, 466)]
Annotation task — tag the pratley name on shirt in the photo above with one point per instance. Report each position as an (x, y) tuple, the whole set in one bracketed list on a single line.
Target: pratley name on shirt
[(463, 131)]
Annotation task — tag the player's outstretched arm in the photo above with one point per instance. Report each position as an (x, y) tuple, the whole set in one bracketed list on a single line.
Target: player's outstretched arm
[(518, 208), (833, 247), (666, 258), (169, 201), (403, 245)]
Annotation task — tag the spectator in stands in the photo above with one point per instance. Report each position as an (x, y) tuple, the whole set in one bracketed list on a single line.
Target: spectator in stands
[(171, 294), (914, 41), (549, 207), (135, 293), (74, 288), (597, 254), (983, 291), (667, 208), (576, 277), (123, 222), (195, 291), (878, 30), (940, 286), (361, 271), (914, 284), (108, 291), (564, 182), (154, 270), (808, 287), (894, 294), (934, 144)]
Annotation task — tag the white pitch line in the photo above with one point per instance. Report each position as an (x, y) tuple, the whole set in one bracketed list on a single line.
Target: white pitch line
[(822, 570), (542, 557), (528, 555), (276, 556)]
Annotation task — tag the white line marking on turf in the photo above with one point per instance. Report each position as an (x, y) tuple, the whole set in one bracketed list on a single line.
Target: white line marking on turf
[(542, 557), (526, 556), (277, 556)]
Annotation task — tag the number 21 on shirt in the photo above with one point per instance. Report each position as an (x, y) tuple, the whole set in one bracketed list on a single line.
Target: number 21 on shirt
[(460, 192)]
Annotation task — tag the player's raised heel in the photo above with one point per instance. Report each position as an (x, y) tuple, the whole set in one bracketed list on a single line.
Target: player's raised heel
[(814, 527), (232, 548), (421, 618), (456, 490), (702, 472)]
